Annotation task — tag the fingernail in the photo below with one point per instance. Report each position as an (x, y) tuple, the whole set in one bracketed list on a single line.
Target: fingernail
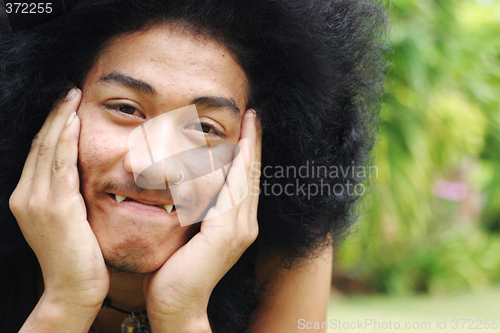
[(71, 118), (70, 95)]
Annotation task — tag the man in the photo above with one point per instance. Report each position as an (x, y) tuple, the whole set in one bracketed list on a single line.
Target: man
[(142, 61)]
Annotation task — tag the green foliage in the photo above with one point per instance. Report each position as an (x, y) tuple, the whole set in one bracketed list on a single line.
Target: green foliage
[(440, 121)]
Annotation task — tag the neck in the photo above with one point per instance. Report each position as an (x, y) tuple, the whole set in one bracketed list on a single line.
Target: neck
[(125, 292)]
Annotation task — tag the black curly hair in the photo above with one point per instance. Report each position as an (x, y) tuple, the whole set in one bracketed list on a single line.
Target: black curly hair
[(315, 69)]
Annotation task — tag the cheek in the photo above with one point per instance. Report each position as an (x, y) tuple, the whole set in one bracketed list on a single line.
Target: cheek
[(100, 151), (208, 187)]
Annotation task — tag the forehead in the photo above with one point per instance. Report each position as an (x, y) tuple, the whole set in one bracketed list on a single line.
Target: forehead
[(170, 58)]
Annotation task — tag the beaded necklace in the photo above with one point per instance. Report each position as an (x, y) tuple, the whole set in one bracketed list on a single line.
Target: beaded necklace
[(131, 324)]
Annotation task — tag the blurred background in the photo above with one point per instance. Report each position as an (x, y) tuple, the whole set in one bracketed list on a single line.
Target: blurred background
[(428, 240)]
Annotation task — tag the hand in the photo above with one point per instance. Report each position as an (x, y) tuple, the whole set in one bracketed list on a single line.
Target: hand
[(51, 213), (177, 294)]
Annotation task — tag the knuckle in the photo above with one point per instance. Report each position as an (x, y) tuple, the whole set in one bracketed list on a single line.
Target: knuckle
[(254, 232), (33, 205), (44, 148), (255, 174), (249, 237), (242, 191), (58, 164), (15, 203), (251, 231), (35, 141), (239, 190)]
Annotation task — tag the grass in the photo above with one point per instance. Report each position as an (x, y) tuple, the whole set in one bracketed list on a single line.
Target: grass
[(466, 312)]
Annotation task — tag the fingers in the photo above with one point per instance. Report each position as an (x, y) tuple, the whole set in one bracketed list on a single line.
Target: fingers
[(237, 179), (242, 219), (225, 233), (256, 166), (29, 166), (65, 179), (233, 189), (46, 147), (251, 130)]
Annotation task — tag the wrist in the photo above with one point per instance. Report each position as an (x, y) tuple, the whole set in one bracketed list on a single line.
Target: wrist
[(188, 323), (70, 304), (56, 314), (70, 299)]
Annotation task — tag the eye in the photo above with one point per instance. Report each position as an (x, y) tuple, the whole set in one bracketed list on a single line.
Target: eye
[(127, 109), (205, 128)]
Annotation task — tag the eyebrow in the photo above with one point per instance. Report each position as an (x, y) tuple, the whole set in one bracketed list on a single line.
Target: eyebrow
[(216, 102), (129, 82), (144, 87)]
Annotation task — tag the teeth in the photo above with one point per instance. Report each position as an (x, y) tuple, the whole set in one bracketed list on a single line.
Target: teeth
[(120, 198), (168, 208)]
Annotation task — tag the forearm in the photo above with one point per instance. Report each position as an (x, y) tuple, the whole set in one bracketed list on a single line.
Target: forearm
[(54, 315)]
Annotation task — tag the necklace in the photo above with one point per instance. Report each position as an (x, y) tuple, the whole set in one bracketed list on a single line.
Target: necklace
[(131, 324)]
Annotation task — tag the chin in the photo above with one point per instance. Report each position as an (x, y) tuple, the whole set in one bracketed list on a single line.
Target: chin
[(137, 260), (129, 259), (142, 253), (131, 265)]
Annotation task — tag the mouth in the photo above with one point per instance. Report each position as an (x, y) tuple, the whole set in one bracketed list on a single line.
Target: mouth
[(131, 203)]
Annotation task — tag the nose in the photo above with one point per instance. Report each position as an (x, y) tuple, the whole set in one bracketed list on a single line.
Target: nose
[(158, 175), (149, 146)]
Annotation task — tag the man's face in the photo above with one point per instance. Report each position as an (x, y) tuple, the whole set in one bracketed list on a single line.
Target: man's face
[(138, 77)]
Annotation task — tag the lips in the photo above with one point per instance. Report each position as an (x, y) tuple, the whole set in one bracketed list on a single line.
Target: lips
[(169, 207)]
